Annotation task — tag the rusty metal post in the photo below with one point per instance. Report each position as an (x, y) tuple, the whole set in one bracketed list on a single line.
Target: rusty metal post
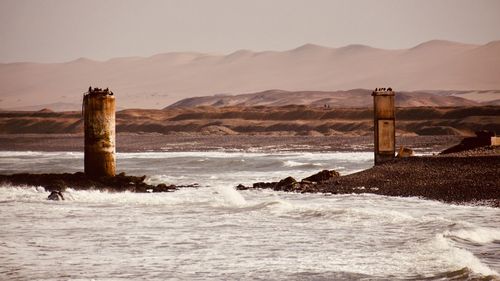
[(99, 124), (384, 124)]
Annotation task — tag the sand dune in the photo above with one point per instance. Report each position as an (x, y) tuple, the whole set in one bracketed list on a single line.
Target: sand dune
[(160, 80), (334, 99)]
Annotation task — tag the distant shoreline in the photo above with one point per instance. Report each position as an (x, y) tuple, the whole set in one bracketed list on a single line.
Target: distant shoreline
[(152, 142)]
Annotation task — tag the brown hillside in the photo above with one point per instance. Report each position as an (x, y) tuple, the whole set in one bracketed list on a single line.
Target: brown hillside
[(290, 120), (336, 99)]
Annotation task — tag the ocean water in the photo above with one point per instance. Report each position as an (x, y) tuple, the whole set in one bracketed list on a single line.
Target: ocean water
[(217, 233)]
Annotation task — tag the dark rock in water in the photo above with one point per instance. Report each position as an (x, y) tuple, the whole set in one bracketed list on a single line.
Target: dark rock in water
[(287, 181), (56, 196), (164, 188), (194, 185), (482, 139), (241, 187), (286, 184), (78, 181), (307, 187), (56, 185), (323, 176), (264, 184)]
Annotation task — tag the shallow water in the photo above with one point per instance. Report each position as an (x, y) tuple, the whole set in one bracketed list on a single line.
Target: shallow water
[(216, 232)]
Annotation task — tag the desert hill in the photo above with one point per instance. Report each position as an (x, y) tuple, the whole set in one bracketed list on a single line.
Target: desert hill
[(336, 99), (287, 120), (157, 81)]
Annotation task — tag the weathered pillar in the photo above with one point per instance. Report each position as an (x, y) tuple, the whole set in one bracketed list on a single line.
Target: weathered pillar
[(99, 123), (384, 124)]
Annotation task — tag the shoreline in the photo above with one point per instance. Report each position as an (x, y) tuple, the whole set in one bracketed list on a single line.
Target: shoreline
[(449, 179), (463, 177), (78, 181), (456, 179), (150, 142)]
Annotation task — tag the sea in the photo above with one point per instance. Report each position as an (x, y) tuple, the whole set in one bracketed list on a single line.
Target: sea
[(215, 232)]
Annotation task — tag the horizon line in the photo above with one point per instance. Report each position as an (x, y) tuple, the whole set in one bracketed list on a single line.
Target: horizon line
[(306, 45)]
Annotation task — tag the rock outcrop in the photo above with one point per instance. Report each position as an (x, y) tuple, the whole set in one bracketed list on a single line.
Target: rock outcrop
[(323, 176), (453, 179), (57, 183), (289, 184), (482, 139), (56, 196)]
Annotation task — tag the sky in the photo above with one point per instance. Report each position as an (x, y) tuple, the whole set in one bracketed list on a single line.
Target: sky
[(65, 30)]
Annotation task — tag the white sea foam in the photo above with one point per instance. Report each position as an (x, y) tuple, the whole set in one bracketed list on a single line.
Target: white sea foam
[(382, 214), (22, 193), (193, 154), (63, 154), (167, 179), (357, 156), (233, 234), (477, 234), (461, 257), (232, 196), (291, 163)]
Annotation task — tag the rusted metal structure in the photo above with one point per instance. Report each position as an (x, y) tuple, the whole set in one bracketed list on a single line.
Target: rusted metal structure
[(384, 124), (99, 123)]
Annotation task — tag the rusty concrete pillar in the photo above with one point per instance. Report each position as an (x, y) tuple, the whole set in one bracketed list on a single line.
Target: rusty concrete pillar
[(384, 124), (99, 124)]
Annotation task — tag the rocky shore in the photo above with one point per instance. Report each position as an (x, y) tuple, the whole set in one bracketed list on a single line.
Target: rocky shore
[(468, 173), (451, 179), (78, 181)]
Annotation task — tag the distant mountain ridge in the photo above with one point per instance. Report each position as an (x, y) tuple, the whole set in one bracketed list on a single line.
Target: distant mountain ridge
[(159, 80), (58, 106), (335, 99)]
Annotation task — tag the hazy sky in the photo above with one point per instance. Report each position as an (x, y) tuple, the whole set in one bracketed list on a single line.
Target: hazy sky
[(62, 30)]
